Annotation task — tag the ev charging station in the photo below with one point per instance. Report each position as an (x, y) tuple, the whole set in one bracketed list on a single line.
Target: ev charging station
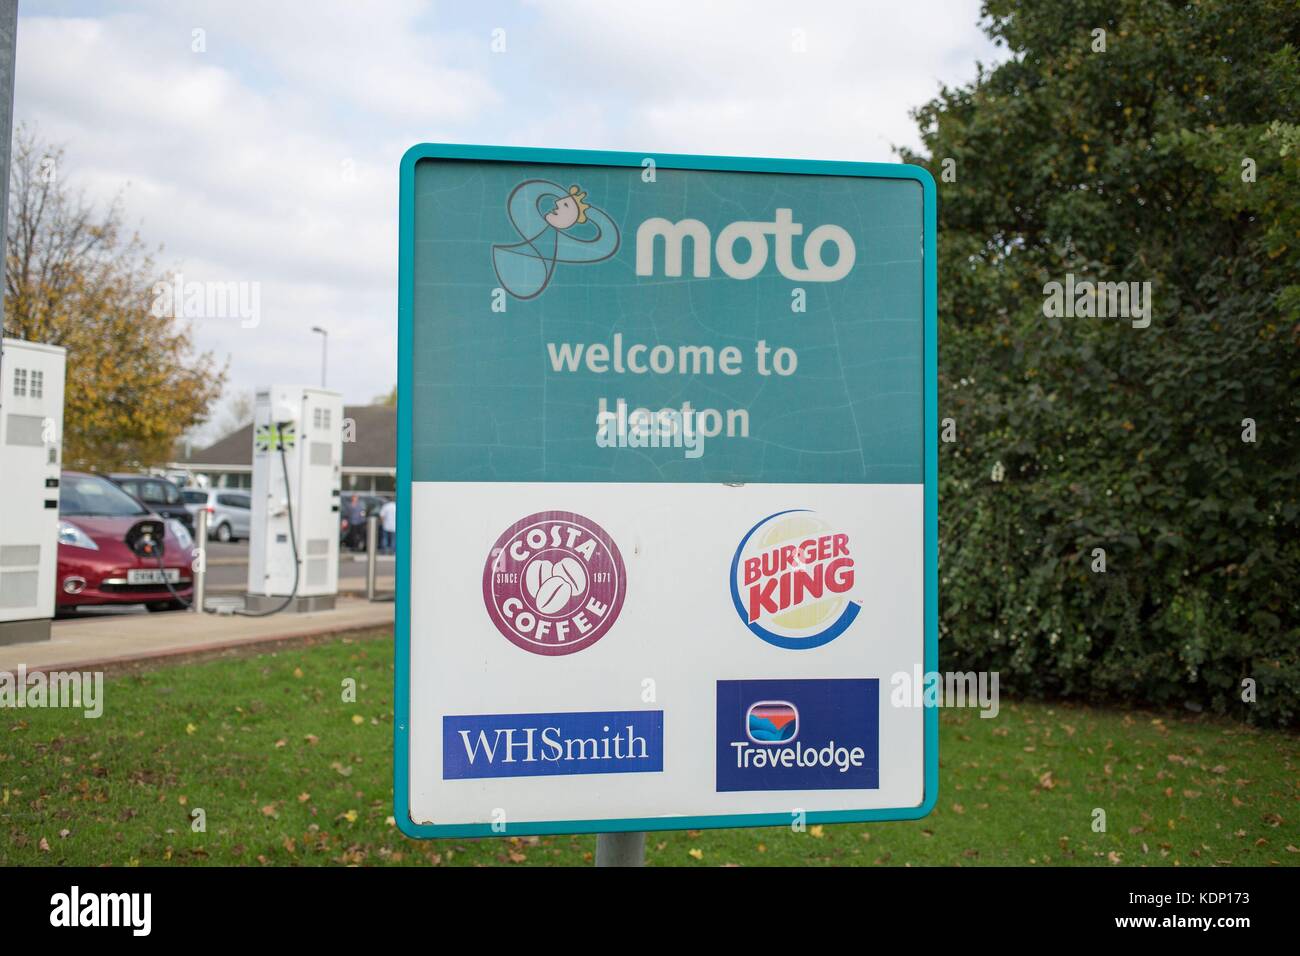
[(31, 429), (293, 547)]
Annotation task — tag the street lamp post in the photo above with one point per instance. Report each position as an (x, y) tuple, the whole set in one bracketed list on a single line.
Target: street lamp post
[(324, 345)]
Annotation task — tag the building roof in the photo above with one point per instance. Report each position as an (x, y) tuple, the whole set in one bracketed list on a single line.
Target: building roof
[(373, 445)]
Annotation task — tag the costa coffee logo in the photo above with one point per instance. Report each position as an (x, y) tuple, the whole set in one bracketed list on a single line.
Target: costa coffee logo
[(792, 580), (554, 583)]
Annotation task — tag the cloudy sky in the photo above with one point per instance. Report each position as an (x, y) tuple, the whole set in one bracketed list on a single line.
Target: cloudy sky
[(265, 148)]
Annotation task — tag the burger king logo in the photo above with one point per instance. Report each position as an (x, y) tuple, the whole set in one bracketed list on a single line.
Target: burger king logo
[(792, 580), (554, 583)]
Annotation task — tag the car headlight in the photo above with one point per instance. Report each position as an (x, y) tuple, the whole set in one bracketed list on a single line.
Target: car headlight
[(182, 534), (73, 536)]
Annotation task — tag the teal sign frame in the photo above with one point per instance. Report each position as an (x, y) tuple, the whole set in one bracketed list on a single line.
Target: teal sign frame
[(406, 465)]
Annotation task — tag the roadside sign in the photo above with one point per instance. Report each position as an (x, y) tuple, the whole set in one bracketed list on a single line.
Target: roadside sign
[(666, 490)]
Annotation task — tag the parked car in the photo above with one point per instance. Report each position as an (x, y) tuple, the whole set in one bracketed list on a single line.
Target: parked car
[(183, 478), (228, 511), (352, 534), (158, 495), (114, 550)]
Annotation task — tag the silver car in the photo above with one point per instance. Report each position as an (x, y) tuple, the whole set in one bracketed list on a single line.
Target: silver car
[(228, 511)]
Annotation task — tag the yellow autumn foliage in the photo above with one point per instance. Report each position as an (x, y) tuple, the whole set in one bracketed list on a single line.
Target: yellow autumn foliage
[(76, 277)]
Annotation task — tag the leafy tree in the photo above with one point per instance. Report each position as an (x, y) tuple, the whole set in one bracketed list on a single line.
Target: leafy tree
[(75, 277), (1171, 157)]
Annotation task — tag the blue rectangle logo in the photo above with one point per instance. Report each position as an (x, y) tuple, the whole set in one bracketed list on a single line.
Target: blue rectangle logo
[(798, 735), (546, 745)]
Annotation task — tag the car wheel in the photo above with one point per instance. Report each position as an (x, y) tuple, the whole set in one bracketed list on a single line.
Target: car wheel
[(223, 533), (166, 605)]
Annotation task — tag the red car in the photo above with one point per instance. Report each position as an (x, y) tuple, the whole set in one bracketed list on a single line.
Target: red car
[(110, 547)]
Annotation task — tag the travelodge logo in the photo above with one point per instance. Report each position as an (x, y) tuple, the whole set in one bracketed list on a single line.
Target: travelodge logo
[(792, 580)]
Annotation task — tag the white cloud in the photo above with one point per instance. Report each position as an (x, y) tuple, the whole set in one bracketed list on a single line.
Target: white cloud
[(830, 81), (272, 157)]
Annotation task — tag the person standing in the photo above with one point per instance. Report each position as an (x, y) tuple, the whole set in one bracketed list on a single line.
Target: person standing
[(354, 523), (388, 526)]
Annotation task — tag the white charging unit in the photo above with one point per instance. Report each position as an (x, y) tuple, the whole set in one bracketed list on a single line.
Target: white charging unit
[(306, 425), (31, 449)]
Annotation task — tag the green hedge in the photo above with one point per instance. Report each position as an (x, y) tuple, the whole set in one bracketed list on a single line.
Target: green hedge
[(1124, 165)]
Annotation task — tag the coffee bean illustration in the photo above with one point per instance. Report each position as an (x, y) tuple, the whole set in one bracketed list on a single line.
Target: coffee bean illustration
[(554, 595), (535, 574), (572, 570)]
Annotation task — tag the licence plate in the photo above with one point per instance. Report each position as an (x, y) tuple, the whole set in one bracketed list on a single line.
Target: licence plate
[(152, 575)]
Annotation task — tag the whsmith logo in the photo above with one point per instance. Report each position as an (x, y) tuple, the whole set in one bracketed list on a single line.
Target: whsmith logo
[(542, 745), (798, 735), (792, 580)]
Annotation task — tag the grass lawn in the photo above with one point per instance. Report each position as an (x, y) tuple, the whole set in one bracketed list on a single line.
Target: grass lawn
[(287, 773)]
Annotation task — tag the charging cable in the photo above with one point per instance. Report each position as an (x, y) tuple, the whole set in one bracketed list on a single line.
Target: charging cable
[(147, 545)]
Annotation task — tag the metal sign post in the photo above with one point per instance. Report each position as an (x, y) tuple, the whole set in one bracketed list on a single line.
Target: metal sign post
[(667, 475), (201, 560), (620, 849), (8, 55), (372, 553)]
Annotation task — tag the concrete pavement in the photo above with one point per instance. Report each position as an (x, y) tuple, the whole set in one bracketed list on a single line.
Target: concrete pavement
[(91, 643)]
